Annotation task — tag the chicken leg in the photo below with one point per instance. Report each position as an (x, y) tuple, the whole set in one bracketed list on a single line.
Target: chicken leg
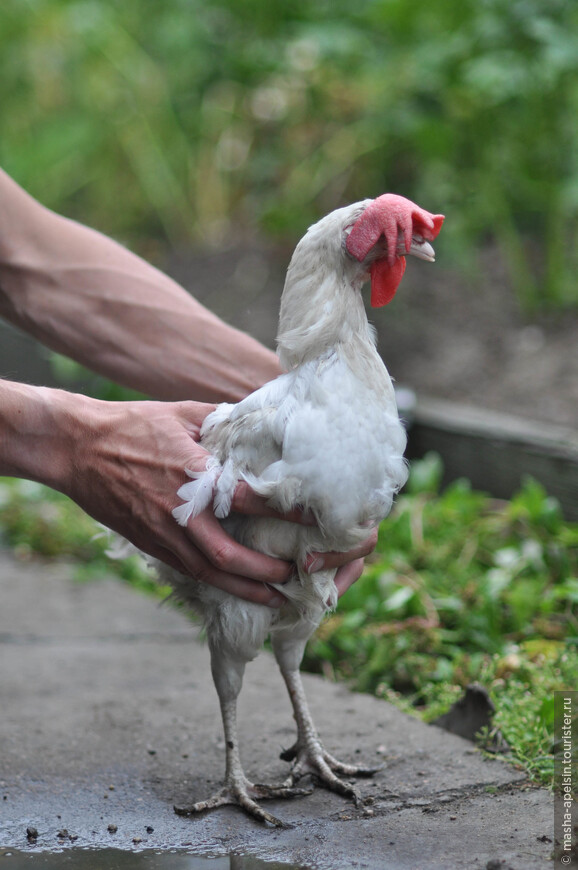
[(308, 754), (237, 789)]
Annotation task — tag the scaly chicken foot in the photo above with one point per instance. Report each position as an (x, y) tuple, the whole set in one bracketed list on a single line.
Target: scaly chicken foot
[(239, 791), (312, 759), (337, 766), (308, 754)]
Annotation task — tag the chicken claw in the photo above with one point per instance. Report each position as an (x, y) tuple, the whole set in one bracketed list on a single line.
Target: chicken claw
[(311, 758), (240, 792), (308, 754)]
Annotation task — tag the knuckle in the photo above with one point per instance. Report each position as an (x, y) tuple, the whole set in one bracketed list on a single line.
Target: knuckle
[(222, 556), (202, 574)]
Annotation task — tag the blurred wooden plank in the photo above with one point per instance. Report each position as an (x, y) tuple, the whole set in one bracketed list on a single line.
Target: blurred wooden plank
[(495, 450)]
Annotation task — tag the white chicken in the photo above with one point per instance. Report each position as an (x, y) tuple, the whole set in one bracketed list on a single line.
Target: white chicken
[(325, 436)]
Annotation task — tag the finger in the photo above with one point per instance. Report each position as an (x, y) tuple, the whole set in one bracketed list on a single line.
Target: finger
[(192, 563), (246, 501), (230, 557), (348, 575), (240, 587), (168, 553), (321, 561)]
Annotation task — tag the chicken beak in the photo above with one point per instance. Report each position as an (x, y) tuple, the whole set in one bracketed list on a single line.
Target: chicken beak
[(419, 248)]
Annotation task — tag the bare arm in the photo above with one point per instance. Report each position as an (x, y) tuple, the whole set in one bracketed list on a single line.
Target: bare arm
[(82, 294), (123, 462), (86, 296)]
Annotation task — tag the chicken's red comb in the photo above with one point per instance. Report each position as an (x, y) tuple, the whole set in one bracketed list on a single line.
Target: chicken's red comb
[(390, 216)]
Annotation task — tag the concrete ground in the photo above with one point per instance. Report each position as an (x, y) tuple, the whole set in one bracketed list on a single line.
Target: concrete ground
[(108, 716)]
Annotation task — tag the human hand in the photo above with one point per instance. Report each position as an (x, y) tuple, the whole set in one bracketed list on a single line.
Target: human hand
[(124, 465), (350, 564)]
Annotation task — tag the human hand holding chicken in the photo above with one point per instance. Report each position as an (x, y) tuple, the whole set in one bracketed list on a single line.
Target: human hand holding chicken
[(118, 451), (84, 295)]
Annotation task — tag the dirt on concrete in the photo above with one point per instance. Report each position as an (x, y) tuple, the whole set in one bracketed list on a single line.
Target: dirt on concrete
[(109, 716)]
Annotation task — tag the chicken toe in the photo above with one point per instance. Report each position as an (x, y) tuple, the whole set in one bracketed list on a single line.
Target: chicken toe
[(241, 792), (308, 754), (310, 758)]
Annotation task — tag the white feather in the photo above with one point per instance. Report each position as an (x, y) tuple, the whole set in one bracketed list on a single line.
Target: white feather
[(198, 493), (225, 489)]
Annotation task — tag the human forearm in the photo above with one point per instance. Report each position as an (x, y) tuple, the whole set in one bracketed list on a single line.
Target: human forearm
[(84, 295), (37, 429), (123, 463)]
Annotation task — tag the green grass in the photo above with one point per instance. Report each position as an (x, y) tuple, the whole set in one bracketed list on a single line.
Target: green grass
[(461, 588), (37, 522)]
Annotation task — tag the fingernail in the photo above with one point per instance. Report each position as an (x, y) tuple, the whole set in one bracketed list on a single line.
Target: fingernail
[(316, 565), (277, 601)]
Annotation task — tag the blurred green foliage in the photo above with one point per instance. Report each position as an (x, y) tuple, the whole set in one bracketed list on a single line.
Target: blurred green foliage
[(189, 119), (36, 521)]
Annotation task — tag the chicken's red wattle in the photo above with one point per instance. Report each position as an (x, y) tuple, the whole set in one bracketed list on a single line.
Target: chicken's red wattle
[(385, 280)]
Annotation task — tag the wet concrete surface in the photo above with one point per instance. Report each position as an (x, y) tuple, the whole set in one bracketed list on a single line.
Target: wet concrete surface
[(108, 716), (116, 859)]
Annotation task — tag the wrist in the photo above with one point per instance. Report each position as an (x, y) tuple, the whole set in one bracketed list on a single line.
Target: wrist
[(39, 428)]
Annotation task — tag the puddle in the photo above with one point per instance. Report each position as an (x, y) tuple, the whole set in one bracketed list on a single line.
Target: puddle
[(116, 859)]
